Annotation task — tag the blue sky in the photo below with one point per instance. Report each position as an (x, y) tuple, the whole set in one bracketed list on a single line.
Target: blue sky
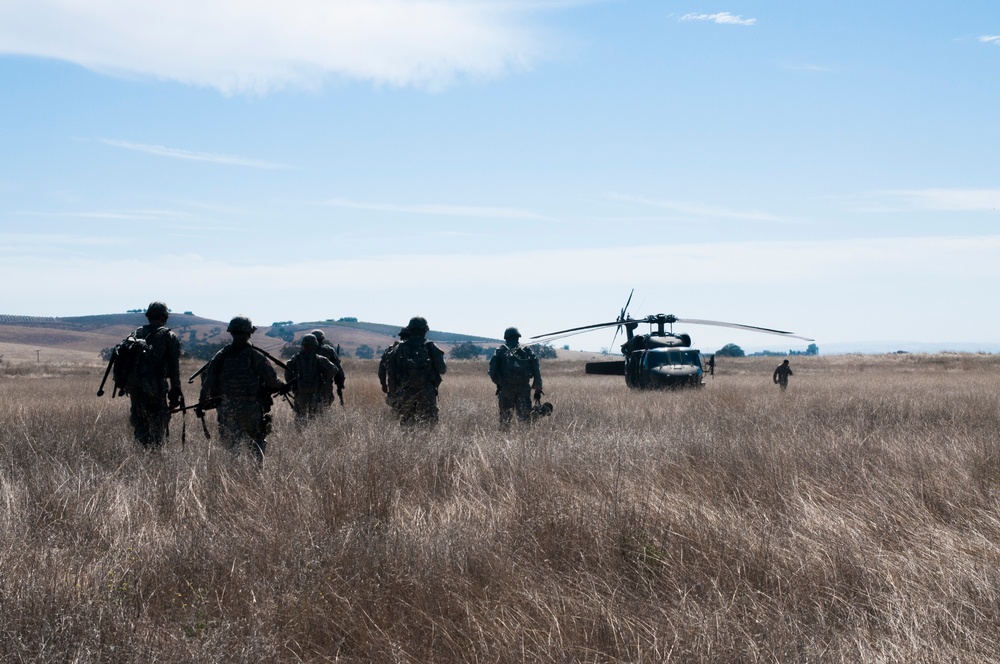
[(825, 168)]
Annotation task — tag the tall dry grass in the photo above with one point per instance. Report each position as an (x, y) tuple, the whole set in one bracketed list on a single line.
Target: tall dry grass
[(853, 518)]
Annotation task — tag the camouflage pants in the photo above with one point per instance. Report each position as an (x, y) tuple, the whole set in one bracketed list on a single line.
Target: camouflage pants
[(511, 400), (243, 423), (309, 405), (416, 405), (150, 419)]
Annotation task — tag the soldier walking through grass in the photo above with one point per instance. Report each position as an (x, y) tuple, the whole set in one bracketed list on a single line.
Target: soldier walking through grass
[(326, 349), (415, 368), (781, 375), (240, 380), (155, 362), (389, 387), (515, 370), (307, 373)]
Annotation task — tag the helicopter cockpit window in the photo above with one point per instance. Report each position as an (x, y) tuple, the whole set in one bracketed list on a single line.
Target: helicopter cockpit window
[(673, 357)]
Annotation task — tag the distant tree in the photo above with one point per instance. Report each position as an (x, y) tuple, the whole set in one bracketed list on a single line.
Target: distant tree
[(466, 351), (730, 350), (135, 311), (812, 349), (544, 351), (202, 350), (189, 313), (347, 319), (281, 331), (288, 350), (281, 323), (364, 352)]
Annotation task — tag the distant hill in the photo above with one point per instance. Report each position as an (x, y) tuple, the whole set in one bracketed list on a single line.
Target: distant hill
[(81, 338)]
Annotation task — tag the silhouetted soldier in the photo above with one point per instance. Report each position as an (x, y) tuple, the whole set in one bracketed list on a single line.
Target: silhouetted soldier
[(307, 373), (327, 350), (151, 370), (781, 375), (415, 368), (514, 370), (388, 383), (243, 379)]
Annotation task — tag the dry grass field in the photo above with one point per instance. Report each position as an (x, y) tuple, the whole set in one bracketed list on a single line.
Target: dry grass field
[(852, 519)]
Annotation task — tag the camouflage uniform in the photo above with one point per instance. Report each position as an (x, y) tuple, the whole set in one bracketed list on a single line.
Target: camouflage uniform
[(415, 369), (309, 372), (244, 380), (147, 382), (515, 370), (781, 375), (389, 387), (329, 352)]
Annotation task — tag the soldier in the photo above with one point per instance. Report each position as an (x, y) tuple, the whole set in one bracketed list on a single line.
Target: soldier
[(243, 381), (514, 370), (307, 372), (415, 369), (389, 388), (146, 383), (327, 350), (781, 375)]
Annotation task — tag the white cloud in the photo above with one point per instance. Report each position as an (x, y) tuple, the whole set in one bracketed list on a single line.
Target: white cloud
[(701, 210), (990, 39), (438, 209), (946, 200), (721, 17), (259, 45), (175, 153)]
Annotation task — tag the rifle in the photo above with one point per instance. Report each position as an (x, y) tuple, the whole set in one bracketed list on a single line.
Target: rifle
[(100, 390), (199, 410), (263, 352)]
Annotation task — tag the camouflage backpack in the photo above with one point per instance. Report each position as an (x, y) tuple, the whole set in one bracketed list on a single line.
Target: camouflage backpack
[(517, 365), (413, 363), (134, 363)]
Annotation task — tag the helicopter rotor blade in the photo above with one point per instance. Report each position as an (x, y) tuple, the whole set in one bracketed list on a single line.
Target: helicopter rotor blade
[(739, 326), (621, 317), (579, 330)]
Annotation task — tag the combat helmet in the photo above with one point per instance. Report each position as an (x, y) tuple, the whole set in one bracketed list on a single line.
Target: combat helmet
[(319, 335), (418, 326), (241, 325), (157, 311), (511, 333), (309, 341)]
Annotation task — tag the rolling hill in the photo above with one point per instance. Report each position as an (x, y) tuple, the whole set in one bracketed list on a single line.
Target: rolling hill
[(81, 338)]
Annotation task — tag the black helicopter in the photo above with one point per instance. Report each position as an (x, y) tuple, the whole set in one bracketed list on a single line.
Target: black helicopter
[(659, 359)]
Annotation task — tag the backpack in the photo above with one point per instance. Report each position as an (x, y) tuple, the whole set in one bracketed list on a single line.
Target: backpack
[(413, 363), (517, 364), (134, 364)]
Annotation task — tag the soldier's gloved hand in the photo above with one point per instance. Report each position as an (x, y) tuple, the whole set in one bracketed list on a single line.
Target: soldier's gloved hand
[(286, 388), (175, 397), (385, 389), (538, 395), (199, 411)]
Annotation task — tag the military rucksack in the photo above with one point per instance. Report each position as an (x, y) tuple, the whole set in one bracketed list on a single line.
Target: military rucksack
[(413, 363), (518, 364), (135, 364)]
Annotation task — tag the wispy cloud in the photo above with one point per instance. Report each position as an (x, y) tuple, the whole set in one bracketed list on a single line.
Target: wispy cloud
[(701, 210), (941, 200), (259, 45), (190, 155), (439, 210), (990, 39), (722, 17)]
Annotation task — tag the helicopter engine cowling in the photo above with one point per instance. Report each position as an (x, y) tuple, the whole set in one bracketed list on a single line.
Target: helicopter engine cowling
[(668, 341)]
